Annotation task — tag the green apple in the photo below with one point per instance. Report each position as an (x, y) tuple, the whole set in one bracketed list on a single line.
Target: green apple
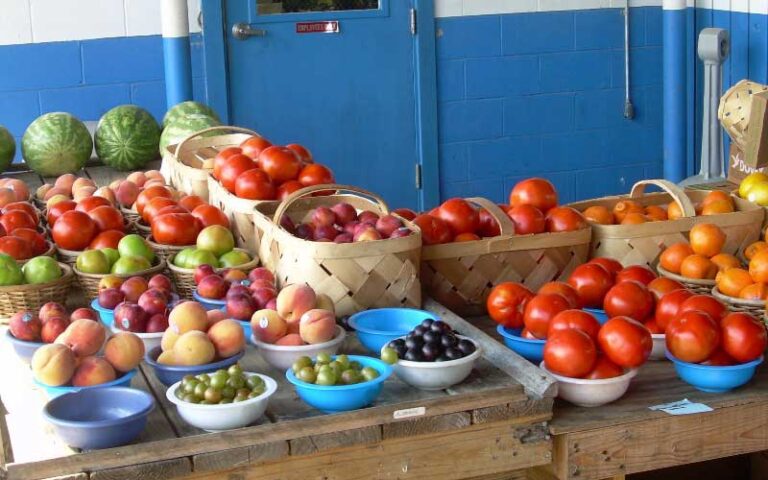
[(10, 272), (135, 246), (128, 265), (111, 254), (216, 239), (93, 261), (41, 270), (181, 258), (202, 257), (234, 258)]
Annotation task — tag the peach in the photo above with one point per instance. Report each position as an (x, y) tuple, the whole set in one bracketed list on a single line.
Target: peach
[(294, 300), (324, 302), (83, 193), (54, 200), (42, 190), (54, 327), (26, 326), (193, 348), (107, 193), (7, 196), (126, 193), (53, 364), (215, 316), (93, 371), (159, 183), (110, 281), (317, 326), (65, 181), (85, 337), (138, 178), (52, 309), (290, 340), (124, 351), (82, 182), (268, 326), (168, 340), (154, 175), (188, 316), (115, 183), (20, 189), (227, 337), (167, 358)]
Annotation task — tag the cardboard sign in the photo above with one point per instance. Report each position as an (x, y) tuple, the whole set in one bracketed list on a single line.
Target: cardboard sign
[(738, 168), (331, 26), (756, 154)]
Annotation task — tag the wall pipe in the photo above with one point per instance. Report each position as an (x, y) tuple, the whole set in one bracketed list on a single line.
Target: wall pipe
[(176, 51), (674, 90)]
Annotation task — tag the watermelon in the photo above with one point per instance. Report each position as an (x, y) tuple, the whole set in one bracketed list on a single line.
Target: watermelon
[(56, 143), (188, 108), (7, 148), (127, 137), (185, 126)]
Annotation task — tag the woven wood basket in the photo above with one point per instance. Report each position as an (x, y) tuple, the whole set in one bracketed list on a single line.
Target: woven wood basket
[(50, 252), (131, 216), (32, 297), (187, 164), (755, 308), (184, 278), (461, 275), (642, 244), (734, 110), (68, 256), (89, 282), (165, 251), (356, 276), (702, 286), (142, 229)]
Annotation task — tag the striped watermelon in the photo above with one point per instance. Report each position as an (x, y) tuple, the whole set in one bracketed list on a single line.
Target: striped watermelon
[(188, 108), (7, 148), (126, 138), (56, 143), (185, 126)]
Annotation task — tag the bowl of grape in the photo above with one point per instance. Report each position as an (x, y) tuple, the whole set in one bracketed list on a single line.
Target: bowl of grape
[(432, 356), (222, 400)]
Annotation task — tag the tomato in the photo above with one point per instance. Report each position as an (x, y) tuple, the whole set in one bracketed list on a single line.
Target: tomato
[(148, 194), (303, 152), (653, 326), (629, 299), (610, 264), (743, 337), (719, 359), (209, 215), (16, 247), (73, 230), (662, 285), (280, 163), (24, 206), (591, 281), (537, 192), (254, 184), (668, 306), (315, 174), (489, 227), (578, 319), (34, 238), (433, 229), (570, 353), (528, 335), (527, 219), (626, 342), (704, 303), (563, 289), (154, 206), (692, 336), (190, 202), (541, 309), (170, 209), (89, 203), (17, 219), (106, 239), (175, 229), (221, 158), (466, 237), (638, 273), (604, 368), (406, 213), (288, 188), (460, 216), (107, 218), (254, 145), (506, 303), (565, 219), (233, 167), (56, 210)]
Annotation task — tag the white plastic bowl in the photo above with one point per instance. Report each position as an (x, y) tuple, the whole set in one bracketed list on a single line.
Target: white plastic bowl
[(217, 418), (151, 340), (659, 351), (282, 356), (592, 393), (437, 375)]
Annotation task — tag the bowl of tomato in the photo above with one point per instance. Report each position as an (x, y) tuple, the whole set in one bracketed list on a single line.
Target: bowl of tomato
[(531, 349), (714, 378), (592, 393), (599, 314)]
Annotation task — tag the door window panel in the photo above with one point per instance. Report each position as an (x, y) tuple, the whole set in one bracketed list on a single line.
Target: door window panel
[(271, 7)]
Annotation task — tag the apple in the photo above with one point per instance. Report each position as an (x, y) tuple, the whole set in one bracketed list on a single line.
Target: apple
[(130, 317), (133, 288), (153, 302), (240, 307), (325, 232), (109, 298), (157, 323), (54, 327), (212, 286), (216, 239), (305, 231), (388, 224), (25, 326), (84, 313), (261, 273), (263, 295), (110, 281), (367, 234), (367, 216), (401, 232), (202, 271), (343, 238), (237, 289), (162, 283), (135, 246), (323, 217), (351, 227), (345, 213), (92, 261), (288, 224)]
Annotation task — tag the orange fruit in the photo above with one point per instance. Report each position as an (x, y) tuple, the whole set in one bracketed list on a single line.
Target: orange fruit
[(599, 214), (756, 291), (716, 207), (466, 237), (717, 196), (698, 267), (724, 261), (621, 209), (656, 213), (634, 218), (674, 211), (753, 248), (732, 281), (706, 239), (758, 266), (672, 257)]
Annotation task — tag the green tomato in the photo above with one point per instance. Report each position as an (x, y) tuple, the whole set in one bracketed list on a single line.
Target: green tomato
[(300, 363), (235, 370), (306, 374), (369, 373), (212, 395), (350, 377), (257, 381), (326, 377), (323, 358), (200, 389), (343, 360)]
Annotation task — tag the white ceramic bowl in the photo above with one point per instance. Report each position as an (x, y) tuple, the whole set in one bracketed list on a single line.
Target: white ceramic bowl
[(592, 393), (151, 340), (216, 418), (282, 356), (437, 375), (659, 351)]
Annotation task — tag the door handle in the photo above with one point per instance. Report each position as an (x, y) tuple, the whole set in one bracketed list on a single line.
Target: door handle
[(243, 31)]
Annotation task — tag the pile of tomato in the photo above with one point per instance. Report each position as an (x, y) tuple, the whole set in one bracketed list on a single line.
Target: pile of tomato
[(93, 222), (19, 237)]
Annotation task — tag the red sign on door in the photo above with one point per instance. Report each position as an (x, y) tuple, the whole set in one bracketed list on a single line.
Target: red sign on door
[(331, 26)]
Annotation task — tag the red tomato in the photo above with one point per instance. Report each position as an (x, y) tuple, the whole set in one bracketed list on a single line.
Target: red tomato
[(253, 146), (154, 206), (107, 218), (692, 336), (89, 203), (506, 303), (304, 154), (190, 202), (704, 303), (288, 188), (25, 206), (170, 209), (233, 167), (148, 194), (613, 266), (629, 299), (15, 247), (541, 309), (565, 219), (175, 229), (668, 306), (604, 368), (638, 273), (489, 227), (653, 327), (537, 192), (662, 285), (73, 230), (563, 289), (591, 281), (433, 230), (578, 319), (743, 337), (106, 239), (280, 163), (626, 342), (719, 359), (315, 174), (406, 213), (570, 353), (209, 215), (33, 237), (527, 219), (56, 210), (460, 216), (221, 158), (254, 184), (17, 219)]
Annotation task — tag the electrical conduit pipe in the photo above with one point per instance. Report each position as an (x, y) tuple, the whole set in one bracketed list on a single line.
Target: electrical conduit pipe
[(176, 51), (674, 93)]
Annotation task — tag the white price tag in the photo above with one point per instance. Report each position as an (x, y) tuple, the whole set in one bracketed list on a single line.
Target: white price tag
[(409, 412), (682, 407)]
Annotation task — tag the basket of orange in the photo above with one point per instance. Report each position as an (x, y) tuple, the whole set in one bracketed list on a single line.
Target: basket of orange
[(745, 289)]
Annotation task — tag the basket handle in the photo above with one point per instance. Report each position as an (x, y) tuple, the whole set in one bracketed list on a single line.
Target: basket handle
[(306, 191), (506, 226), (677, 194), (228, 128)]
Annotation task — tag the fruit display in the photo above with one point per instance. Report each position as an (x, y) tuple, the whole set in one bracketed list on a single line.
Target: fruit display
[(220, 387), (7, 148), (127, 138), (139, 305), (38, 270), (700, 258), (119, 193), (631, 212), (45, 325), (180, 110), (56, 143), (131, 255), (432, 341), (329, 371), (232, 286), (215, 247), (754, 188), (180, 127), (19, 234)]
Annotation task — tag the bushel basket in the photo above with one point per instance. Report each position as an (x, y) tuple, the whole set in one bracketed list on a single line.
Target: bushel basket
[(239, 211), (15, 298)]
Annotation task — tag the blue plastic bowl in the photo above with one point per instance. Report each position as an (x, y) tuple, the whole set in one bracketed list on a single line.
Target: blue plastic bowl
[(24, 349), (209, 303), (246, 329), (599, 314), (531, 350), (53, 392), (342, 398), (99, 417), (106, 315), (714, 379), (375, 328), (170, 374)]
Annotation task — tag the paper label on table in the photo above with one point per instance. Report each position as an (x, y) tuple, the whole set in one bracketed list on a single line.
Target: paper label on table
[(682, 407), (409, 412)]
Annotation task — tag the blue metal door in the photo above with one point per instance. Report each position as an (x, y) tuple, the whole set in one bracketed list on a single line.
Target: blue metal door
[(341, 82)]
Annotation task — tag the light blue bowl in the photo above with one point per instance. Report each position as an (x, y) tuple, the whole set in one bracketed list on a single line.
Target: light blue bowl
[(376, 328), (53, 392), (531, 350), (170, 374), (24, 349), (713, 379), (246, 329), (342, 398), (99, 417), (599, 314), (106, 315), (209, 303)]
